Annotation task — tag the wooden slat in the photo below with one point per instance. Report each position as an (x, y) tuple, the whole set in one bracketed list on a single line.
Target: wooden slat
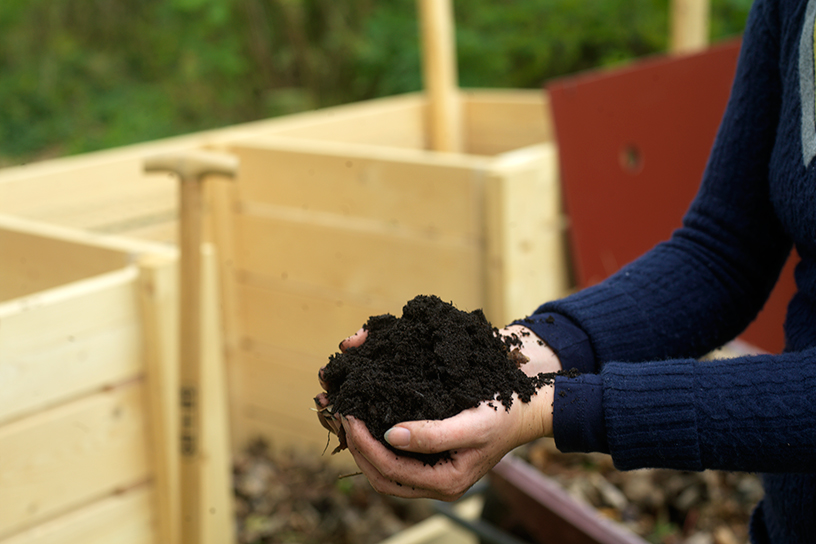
[(546, 510), (59, 459), (436, 195), (128, 246), (32, 263), (372, 126), (315, 324), (106, 191), (158, 292), (68, 341), (94, 196), (216, 503), (123, 518), (278, 387), (525, 234), (312, 325), (302, 254), (501, 121)]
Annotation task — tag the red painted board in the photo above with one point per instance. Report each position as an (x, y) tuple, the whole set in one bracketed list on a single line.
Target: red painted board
[(633, 143)]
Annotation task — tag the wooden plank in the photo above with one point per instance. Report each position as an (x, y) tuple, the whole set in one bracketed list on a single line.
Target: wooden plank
[(158, 291), (126, 245), (216, 504), (435, 194), (352, 263), (375, 126), (104, 190), (434, 530), (310, 324), (98, 196), (33, 263), (59, 459), (526, 262), (122, 518), (501, 121), (68, 341), (545, 510), (439, 529), (222, 233), (277, 386), (315, 324)]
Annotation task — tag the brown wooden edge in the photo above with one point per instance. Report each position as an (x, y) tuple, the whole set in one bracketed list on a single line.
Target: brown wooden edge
[(547, 512)]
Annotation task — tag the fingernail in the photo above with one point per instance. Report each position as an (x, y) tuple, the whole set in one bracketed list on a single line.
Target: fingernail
[(398, 437)]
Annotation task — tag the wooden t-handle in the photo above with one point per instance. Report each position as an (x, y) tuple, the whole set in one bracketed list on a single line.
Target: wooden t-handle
[(191, 167)]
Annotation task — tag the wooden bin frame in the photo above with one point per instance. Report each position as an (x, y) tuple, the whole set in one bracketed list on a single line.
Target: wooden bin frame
[(88, 410)]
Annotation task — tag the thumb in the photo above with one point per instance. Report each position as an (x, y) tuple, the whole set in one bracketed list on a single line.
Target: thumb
[(429, 436)]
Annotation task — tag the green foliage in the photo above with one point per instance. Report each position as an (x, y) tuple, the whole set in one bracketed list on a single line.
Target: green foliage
[(80, 75)]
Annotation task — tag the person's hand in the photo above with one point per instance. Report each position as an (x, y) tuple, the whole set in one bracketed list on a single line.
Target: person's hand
[(325, 415), (477, 438)]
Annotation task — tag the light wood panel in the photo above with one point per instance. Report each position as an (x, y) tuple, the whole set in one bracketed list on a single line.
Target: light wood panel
[(59, 459), (309, 324), (32, 263), (430, 196), (122, 518), (526, 245), (295, 255), (68, 341), (371, 126), (499, 121), (158, 298)]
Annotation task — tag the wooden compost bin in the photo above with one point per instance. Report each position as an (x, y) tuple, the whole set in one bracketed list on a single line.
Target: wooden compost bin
[(87, 390), (350, 216), (337, 215)]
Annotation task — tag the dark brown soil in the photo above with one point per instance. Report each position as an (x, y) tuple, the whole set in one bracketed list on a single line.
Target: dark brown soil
[(432, 363)]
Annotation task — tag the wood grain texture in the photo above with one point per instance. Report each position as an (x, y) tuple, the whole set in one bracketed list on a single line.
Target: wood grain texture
[(78, 452), (66, 342), (121, 518)]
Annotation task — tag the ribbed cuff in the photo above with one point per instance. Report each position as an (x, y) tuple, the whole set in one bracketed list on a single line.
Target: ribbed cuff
[(650, 416), (578, 416), (566, 339)]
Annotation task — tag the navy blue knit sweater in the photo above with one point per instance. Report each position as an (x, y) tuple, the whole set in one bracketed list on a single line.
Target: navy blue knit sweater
[(644, 397)]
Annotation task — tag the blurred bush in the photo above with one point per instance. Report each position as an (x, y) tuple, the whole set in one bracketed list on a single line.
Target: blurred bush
[(81, 75)]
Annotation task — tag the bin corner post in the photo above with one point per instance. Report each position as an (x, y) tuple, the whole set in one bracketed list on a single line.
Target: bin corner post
[(689, 26), (525, 248), (216, 505), (158, 296), (440, 75)]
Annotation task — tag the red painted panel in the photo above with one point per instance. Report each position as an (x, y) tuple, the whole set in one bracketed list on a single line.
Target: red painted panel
[(633, 144)]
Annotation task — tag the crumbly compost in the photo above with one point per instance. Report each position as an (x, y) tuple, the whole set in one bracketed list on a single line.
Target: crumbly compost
[(432, 363)]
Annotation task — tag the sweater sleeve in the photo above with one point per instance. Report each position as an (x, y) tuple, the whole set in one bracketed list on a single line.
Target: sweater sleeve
[(703, 286), (648, 324), (752, 413)]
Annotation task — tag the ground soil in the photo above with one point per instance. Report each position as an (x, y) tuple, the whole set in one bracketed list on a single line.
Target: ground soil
[(287, 497), (432, 363), (283, 497)]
